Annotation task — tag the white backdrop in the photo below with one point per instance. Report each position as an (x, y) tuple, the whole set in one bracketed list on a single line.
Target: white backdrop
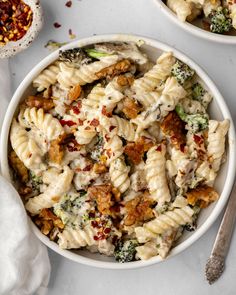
[(181, 275)]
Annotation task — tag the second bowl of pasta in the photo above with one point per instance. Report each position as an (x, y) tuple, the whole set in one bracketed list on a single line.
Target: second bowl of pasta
[(115, 145), (211, 20)]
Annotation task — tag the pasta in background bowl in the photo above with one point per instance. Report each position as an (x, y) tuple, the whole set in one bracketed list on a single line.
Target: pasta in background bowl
[(40, 114), (178, 12)]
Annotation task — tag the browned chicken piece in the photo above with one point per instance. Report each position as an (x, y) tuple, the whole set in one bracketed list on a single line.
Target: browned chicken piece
[(123, 80), (19, 167), (56, 150), (136, 150), (114, 70), (138, 210), (39, 102), (116, 193), (47, 221), (24, 190), (202, 196), (103, 196), (174, 127), (99, 168), (131, 108), (74, 93)]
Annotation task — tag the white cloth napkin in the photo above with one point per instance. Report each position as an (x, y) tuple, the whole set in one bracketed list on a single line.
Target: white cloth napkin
[(24, 262)]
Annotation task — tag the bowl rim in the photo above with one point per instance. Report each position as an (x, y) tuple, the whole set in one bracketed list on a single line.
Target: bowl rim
[(194, 30), (159, 46)]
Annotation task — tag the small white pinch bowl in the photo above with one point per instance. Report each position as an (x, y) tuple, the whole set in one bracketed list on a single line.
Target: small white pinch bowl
[(218, 110), (195, 27), (14, 47)]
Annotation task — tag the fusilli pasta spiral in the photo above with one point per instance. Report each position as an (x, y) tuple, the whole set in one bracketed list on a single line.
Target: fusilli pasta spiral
[(164, 222), (85, 133), (52, 194), (44, 122), (216, 142), (47, 77), (156, 75), (26, 148), (119, 174), (156, 174), (70, 76)]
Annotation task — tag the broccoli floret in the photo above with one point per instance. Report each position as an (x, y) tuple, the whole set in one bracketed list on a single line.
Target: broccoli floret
[(95, 53), (125, 250), (182, 72), (198, 91), (75, 55), (193, 225), (98, 149), (195, 122), (68, 208), (36, 181), (200, 94), (181, 113), (220, 21)]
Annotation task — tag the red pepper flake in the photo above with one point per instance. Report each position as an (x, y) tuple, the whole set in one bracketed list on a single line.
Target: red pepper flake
[(107, 230), (198, 139), (73, 146), (107, 137), (111, 128), (67, 122), (76, 110), (94, 123), (95, 238), (101, 236), (87, 168), (94, 223), (105, 112), (57, 25), (68, 4), (91, 215), (158, 148)]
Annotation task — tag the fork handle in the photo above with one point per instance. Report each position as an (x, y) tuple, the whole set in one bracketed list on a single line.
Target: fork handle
[(215, 264), (223, 238)]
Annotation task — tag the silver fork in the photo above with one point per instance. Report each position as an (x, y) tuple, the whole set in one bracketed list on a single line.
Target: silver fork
[(216, 262)]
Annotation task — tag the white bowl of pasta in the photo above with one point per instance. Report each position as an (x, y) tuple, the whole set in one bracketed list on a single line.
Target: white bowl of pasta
[(214, 21), (86, 137)]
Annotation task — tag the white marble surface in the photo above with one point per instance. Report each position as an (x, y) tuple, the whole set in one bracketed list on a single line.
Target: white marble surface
[(180, 275)]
